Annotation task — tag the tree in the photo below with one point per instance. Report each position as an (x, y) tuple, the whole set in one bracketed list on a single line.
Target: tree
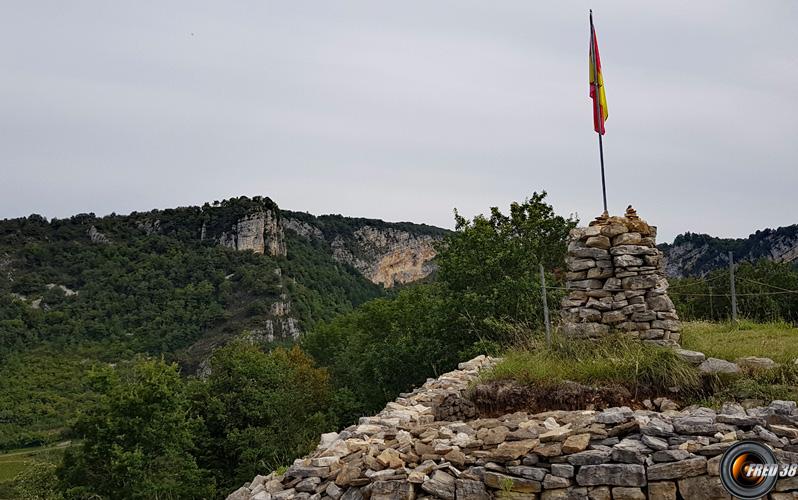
[(37, 481), (490, 264), (261, 410), (488, 275), (388, 345), (138, 438)]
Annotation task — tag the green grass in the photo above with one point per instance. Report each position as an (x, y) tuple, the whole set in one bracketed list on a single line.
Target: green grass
[(15, 461), (624, 362), (615, 360), (10, 468), (28, 473), (778, 341)]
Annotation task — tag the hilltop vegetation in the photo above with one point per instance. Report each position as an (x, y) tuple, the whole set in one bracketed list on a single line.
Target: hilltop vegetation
[(693, 254), (150, 284)]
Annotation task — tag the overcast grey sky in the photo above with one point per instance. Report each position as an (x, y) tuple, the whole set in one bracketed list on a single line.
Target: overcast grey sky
[(402, 110)]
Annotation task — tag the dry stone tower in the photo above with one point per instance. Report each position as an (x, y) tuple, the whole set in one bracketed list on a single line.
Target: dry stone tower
[(616, 282)]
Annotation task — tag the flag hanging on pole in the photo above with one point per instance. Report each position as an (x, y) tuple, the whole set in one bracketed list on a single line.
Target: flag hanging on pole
[(599, 104), (597, 83)]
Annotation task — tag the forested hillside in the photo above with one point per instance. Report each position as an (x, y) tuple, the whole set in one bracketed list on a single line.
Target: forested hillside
[(88, 290)]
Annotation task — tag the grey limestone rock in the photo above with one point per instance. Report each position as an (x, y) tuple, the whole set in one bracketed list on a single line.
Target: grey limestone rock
[(612, 475), (676, 470), (715, 365)]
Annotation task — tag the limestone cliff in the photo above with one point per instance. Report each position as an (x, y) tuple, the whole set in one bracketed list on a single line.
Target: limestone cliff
[(385, 253), (260, 232), (96, 236), (693, 254), (387, 256), (239, 223), (278, 324)]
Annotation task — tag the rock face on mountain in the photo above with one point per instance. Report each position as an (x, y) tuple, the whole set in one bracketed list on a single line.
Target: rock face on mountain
[(384, 253), (415, 449), (96, 236), (260, 232), (697, 254), (277, 324), (387, 256)]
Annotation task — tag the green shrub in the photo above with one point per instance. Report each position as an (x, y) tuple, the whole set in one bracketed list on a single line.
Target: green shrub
[(259, 410), (138, 438)]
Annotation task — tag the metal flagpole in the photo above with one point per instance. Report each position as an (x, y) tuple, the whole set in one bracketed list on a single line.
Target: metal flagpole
[(545, 306), (598, 108)]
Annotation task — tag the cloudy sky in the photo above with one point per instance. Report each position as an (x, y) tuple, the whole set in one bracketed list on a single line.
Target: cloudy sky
[(402, 110)]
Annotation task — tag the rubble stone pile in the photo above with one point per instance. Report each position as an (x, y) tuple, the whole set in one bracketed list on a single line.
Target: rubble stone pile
[(405, 453), (617, 283)]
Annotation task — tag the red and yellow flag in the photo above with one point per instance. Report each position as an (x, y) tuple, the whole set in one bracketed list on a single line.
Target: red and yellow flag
[(599, 108)]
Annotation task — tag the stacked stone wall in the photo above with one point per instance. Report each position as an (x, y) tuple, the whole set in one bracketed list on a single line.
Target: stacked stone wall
[(406, 453), (616, 282)]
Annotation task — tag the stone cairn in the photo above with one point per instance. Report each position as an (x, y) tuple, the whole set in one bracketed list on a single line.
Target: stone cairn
[(617, 283), (406, 452)]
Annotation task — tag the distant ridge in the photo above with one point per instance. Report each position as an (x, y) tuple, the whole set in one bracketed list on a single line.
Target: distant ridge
[(693, 254)]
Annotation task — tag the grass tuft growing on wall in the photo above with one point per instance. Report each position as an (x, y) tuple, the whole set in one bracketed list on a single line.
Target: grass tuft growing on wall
[(614, 360)]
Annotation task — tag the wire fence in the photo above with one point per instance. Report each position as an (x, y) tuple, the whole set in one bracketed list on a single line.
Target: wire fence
[(715, 295)]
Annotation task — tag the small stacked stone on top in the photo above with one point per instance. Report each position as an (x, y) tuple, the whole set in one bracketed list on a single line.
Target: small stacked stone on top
[(617, 283)]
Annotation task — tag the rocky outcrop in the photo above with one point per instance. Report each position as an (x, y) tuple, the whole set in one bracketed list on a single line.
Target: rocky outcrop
[(239, 223), (151, 227), (259, 232), (697, 254), (385, 253), (616, 282), (97, 237), (278, 324), (387, 256), (303, 229), (405, 452), (68, 292)]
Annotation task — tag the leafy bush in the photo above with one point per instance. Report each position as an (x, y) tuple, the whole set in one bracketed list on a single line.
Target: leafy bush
[(490, 265), (150, 434), (138, 438), (259, 410), (388, 345), (38, 481), (487, 292)]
